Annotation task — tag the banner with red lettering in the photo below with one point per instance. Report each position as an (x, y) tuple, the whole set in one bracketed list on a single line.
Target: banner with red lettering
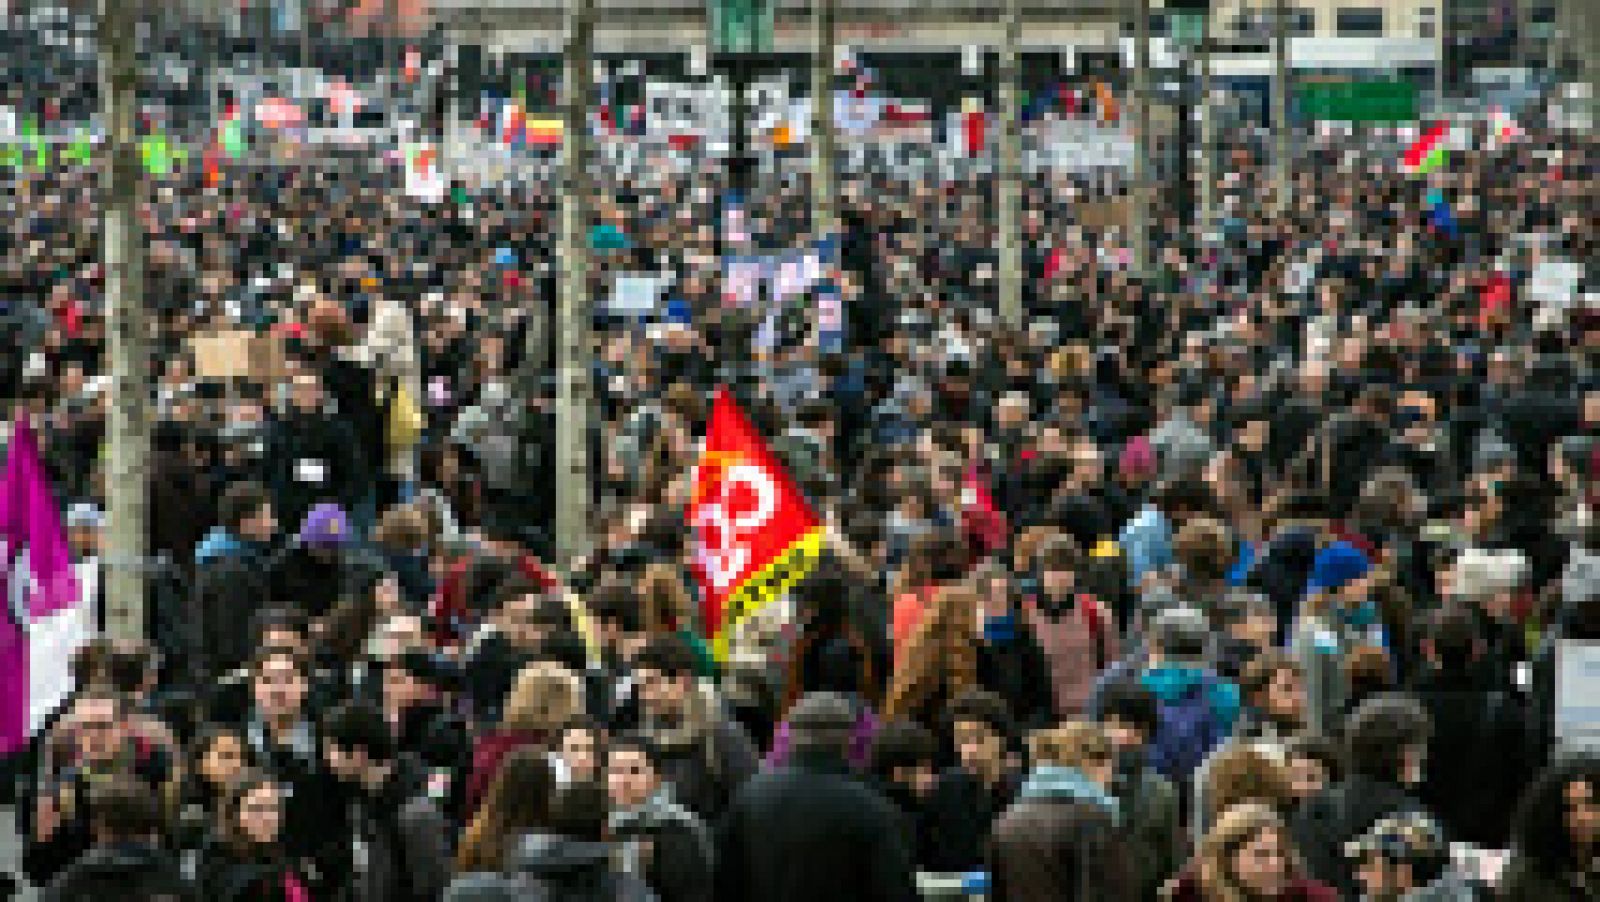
[(754, 535)]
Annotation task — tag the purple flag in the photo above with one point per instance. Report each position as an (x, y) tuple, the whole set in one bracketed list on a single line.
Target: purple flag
[(31, 531), (35, 571)]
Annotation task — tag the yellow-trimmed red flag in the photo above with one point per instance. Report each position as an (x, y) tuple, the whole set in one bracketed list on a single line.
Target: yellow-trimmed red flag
[(754, 535)]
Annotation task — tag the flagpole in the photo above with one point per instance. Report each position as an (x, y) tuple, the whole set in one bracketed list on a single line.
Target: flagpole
[(1280, 105), (1010, 175), (574, 347), (128, 420)]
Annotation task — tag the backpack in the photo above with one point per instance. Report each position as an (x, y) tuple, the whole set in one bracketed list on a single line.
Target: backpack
[(1186, 732)]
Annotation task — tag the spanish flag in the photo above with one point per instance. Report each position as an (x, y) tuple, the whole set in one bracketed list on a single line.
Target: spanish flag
[(753, 533)]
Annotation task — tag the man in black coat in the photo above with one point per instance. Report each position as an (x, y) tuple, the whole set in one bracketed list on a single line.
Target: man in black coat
[(126, 862), (234, 578), (1482, 745), (1386, 743), (313, 455), (812, 830)]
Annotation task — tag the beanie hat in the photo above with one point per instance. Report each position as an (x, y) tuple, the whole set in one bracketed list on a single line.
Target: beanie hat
[(325, 526), (1335, 566), (1138, 459)]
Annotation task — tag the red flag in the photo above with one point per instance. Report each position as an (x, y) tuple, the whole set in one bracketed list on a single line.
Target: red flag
[(982, 522), (754, 535)]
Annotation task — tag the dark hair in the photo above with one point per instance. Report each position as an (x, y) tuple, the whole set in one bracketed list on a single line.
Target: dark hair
[(122, 808), (579, 812), (301, 664), (1539, 830), (358, 725), (1132, 703), (1188, 495), (1454, 636), (1262, 669), (981, 706), (240, 502), (1320, 749), (228, 815), (1059, 553), (131, 665), (669, 654), (902, 743), (277, 618), (1380, 730), (206, 737), (637, 742), (563, 647), (93, 664), (614, 600)]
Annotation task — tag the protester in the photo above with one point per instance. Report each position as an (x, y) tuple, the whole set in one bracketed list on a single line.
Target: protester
[(1248, 855), (125, 860), (1060, 839), (810, 830), (247, 862), (1554, 836), (666, 845)]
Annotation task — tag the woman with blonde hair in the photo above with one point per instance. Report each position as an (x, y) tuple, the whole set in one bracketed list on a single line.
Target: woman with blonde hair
[(1248, 857), (939, 659), (544, 700)]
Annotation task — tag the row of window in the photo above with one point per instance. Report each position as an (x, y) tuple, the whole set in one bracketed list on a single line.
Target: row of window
[(1349, 21)]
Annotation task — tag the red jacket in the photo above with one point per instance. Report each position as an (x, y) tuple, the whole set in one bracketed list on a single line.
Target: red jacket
[(450, 608), (1301, 889)]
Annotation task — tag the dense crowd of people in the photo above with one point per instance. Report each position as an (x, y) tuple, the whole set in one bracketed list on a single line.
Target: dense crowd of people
[(1287, 536)]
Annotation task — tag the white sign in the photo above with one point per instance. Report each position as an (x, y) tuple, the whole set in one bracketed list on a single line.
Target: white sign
[(8, 122), (52, 643), (633, 294), (1555, 281), (1578, 695)]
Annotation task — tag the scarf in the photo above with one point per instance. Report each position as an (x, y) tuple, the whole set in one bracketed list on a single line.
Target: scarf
[(1049, 781)]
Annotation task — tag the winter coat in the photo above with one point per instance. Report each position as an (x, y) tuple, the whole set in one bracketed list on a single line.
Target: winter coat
[(961, 812), (1016, 669), (312, 458), (706, 758), (406, 840), (316, 584), (1300, 889), (1480, 752), (664, 844), (1060, 840), (313, 799), (1152, 829), (226, 876), (233, 580), (812, 831), (1338, 814), (1525, 881), (131, 872), (552, 869)]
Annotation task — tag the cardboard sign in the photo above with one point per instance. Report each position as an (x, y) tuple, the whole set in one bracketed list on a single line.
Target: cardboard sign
[(238, 354)]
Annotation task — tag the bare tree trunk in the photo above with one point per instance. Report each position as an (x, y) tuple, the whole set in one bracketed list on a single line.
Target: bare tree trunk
[(575, 350), (824, 180), (128, 425), (1143, 147), (1009, 184)]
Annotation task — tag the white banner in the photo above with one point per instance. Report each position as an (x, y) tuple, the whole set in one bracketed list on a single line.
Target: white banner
[(1578, 695)]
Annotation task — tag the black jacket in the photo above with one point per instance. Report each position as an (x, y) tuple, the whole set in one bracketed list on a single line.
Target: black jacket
[(311, 459), (1338, 814), (226, 876), (133, 872), (1017, 671), (552, 869), (1479, 755), (812, 831), (228, 589), (960, 815)]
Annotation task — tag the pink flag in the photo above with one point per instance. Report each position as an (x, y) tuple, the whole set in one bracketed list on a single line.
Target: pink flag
[(35, 571)]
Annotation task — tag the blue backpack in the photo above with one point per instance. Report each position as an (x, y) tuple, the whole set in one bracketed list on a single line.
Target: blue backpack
[(1187, 730)]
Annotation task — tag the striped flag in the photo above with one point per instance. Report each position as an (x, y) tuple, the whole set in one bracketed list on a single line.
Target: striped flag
[(1428, 152)]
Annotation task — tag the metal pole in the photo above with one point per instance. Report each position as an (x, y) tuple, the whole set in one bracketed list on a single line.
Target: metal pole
[(1208, 134), (128, 422), (1008, 185), (1139, 220), (574, 347), (824, 183), (1282, 164)]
